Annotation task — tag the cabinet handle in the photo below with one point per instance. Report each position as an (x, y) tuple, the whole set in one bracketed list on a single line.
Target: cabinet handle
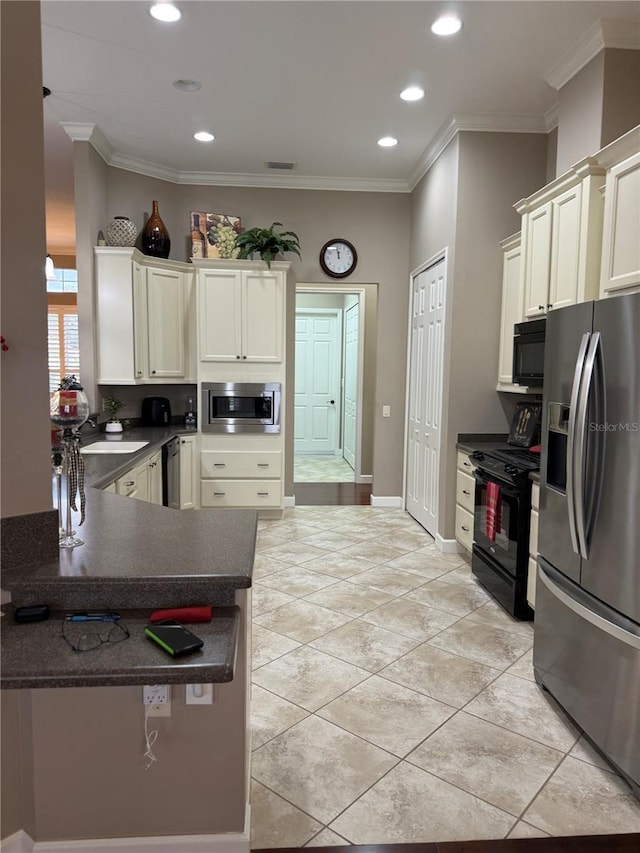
[(219, 494), (549, 304), (540, 307), (244, 357), (153, 371), (219, 464), (237, 356), (130, 483), (263, 464), (466, 492), (263, 494), (466, 529), (467, 464)]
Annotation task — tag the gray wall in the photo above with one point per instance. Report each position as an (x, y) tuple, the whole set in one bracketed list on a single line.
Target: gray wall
[(378, 224), (465, 203), (621, 96)]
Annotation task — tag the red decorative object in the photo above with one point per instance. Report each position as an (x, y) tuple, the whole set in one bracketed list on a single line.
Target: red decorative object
[(4, 346)]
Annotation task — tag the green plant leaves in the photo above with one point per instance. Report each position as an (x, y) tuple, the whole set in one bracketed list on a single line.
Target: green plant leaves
[(268, 243)]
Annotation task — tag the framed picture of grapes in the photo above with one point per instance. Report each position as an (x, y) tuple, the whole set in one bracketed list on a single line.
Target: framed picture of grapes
[(213, 235)]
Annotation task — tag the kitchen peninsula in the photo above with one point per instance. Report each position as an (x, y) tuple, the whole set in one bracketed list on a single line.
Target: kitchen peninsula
[(85, 725)]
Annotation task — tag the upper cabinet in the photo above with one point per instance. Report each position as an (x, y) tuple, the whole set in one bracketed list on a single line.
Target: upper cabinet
[(241, 313), (512, 309), (621, 244), (562, 239), (145, 318)]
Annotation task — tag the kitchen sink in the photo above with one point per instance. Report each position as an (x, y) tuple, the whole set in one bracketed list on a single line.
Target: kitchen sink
[(114, 447)]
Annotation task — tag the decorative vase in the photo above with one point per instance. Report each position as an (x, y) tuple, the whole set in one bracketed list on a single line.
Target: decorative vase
[(113, 426), (155, 238), (121, 232)]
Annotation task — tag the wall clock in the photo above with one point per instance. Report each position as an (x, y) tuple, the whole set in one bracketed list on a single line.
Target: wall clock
[(338, 258)]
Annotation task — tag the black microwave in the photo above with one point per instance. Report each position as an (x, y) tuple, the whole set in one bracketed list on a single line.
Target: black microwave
[(528, 353)]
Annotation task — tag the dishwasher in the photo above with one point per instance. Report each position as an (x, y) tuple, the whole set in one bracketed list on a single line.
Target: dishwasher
[(171, 474)]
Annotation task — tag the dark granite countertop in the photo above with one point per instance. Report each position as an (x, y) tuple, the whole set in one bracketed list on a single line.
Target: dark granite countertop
[(36, 655), (470, 441)]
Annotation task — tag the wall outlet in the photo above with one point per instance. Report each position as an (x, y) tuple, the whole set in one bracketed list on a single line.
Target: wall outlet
[(158, 698), (199, 694)]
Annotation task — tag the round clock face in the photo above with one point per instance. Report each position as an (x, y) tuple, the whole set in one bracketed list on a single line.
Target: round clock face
[(338, 258)]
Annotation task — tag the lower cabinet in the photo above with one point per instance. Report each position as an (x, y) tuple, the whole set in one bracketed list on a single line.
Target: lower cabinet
[(188, 472), (465, 494), (533, 545), (242, 479), (144, 482)]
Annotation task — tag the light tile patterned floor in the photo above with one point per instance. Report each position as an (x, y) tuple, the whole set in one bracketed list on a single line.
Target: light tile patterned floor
[(394, 700), (322, 469)]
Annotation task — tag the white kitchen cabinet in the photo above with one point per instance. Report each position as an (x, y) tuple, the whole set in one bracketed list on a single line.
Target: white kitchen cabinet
[(512, 310), (533, 545), (143, 481), (188, 472), (621, 238), (465, 496), (241, 314), (144, 318), (252, 478), (562, 240), (154, 478)]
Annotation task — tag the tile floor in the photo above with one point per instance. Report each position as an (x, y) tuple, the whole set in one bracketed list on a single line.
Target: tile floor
[(394, 700), (322, 469)]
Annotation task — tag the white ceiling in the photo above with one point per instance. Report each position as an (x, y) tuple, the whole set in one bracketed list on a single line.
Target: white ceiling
[(315, 82)]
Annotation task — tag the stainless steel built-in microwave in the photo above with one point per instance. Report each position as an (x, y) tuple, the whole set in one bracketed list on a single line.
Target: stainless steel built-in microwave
[(241, 407)]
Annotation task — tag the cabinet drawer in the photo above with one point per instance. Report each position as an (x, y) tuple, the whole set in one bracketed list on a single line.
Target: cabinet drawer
[(254, 493), (465, 463), (535, 496), (533, 534), (464, 527), (231, 464), (465, 490), (127, 484)]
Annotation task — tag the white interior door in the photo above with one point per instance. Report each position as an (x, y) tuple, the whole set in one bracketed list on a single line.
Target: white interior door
[(317, 382), (350, 405), (425, 395)]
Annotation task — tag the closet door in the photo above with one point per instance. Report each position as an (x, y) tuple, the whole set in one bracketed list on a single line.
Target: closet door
[(425, 395)]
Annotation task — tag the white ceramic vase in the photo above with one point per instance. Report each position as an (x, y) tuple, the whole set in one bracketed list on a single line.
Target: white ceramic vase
[(121, 232)]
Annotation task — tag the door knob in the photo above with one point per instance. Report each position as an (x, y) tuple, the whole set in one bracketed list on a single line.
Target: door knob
[(333, 402)]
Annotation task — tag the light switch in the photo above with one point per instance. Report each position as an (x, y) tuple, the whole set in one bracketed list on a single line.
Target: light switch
[(386, 411)]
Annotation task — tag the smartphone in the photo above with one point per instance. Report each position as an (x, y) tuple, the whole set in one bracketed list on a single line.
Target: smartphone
[(173, 637)]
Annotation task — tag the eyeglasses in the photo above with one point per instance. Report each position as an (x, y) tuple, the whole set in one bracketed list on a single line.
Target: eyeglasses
[(81, 639)]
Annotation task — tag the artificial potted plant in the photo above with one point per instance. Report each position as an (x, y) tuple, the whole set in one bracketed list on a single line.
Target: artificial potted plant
[(112, 405), (267, 242)]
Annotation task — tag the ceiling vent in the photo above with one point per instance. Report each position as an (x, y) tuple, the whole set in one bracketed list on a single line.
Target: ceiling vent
[(284, 167)]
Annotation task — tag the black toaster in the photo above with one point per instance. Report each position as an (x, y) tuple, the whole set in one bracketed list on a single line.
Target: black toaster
[(156, 411)]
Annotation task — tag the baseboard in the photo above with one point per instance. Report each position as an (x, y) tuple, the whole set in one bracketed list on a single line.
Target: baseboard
[(19, 842), (289, 500), (227, 842), (390, 502), (365, 478), (448, 546)]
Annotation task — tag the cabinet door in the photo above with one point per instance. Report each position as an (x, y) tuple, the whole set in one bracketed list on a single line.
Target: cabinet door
[(188, 473), (114, 319), (537, 257), (166, 319), (155, 479), (141, 474), (621, 241), (127, 485), (262, 314), (140, 321), (219, 310), (512, 313), (565, 248)]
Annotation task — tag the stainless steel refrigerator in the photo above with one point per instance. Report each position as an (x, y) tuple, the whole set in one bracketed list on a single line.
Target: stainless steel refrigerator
[(586, 648)]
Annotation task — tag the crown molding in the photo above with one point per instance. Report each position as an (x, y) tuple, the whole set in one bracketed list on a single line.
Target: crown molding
[(551, 117), (477, 123), (88, 132), (604, 33)]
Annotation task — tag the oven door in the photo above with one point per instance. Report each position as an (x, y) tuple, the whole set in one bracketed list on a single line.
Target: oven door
[(504, 547)]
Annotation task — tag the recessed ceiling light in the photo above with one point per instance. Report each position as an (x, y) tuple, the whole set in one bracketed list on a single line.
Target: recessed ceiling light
[(187, 85), (412, 93), (387, 142), (165, 12), (204, 136), (446, 25)]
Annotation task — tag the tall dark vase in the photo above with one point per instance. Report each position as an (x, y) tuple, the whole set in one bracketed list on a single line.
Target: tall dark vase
[(154, 238)]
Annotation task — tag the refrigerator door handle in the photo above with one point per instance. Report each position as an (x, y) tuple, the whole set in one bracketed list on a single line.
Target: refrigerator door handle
[(581, 443), (571, 440)]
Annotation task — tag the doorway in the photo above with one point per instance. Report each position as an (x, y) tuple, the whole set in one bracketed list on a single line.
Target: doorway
[(329, 382), (424, 397)]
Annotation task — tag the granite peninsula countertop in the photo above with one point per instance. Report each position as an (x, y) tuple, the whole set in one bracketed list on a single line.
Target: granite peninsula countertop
[(136, 556)]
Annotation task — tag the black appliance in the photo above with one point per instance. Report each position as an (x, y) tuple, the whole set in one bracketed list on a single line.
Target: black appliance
[(156, 411), (528, 353), (502, 512)]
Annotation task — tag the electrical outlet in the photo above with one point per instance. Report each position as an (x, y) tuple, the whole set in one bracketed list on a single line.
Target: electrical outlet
[(158, 698), (386, 411), (199, 694)]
